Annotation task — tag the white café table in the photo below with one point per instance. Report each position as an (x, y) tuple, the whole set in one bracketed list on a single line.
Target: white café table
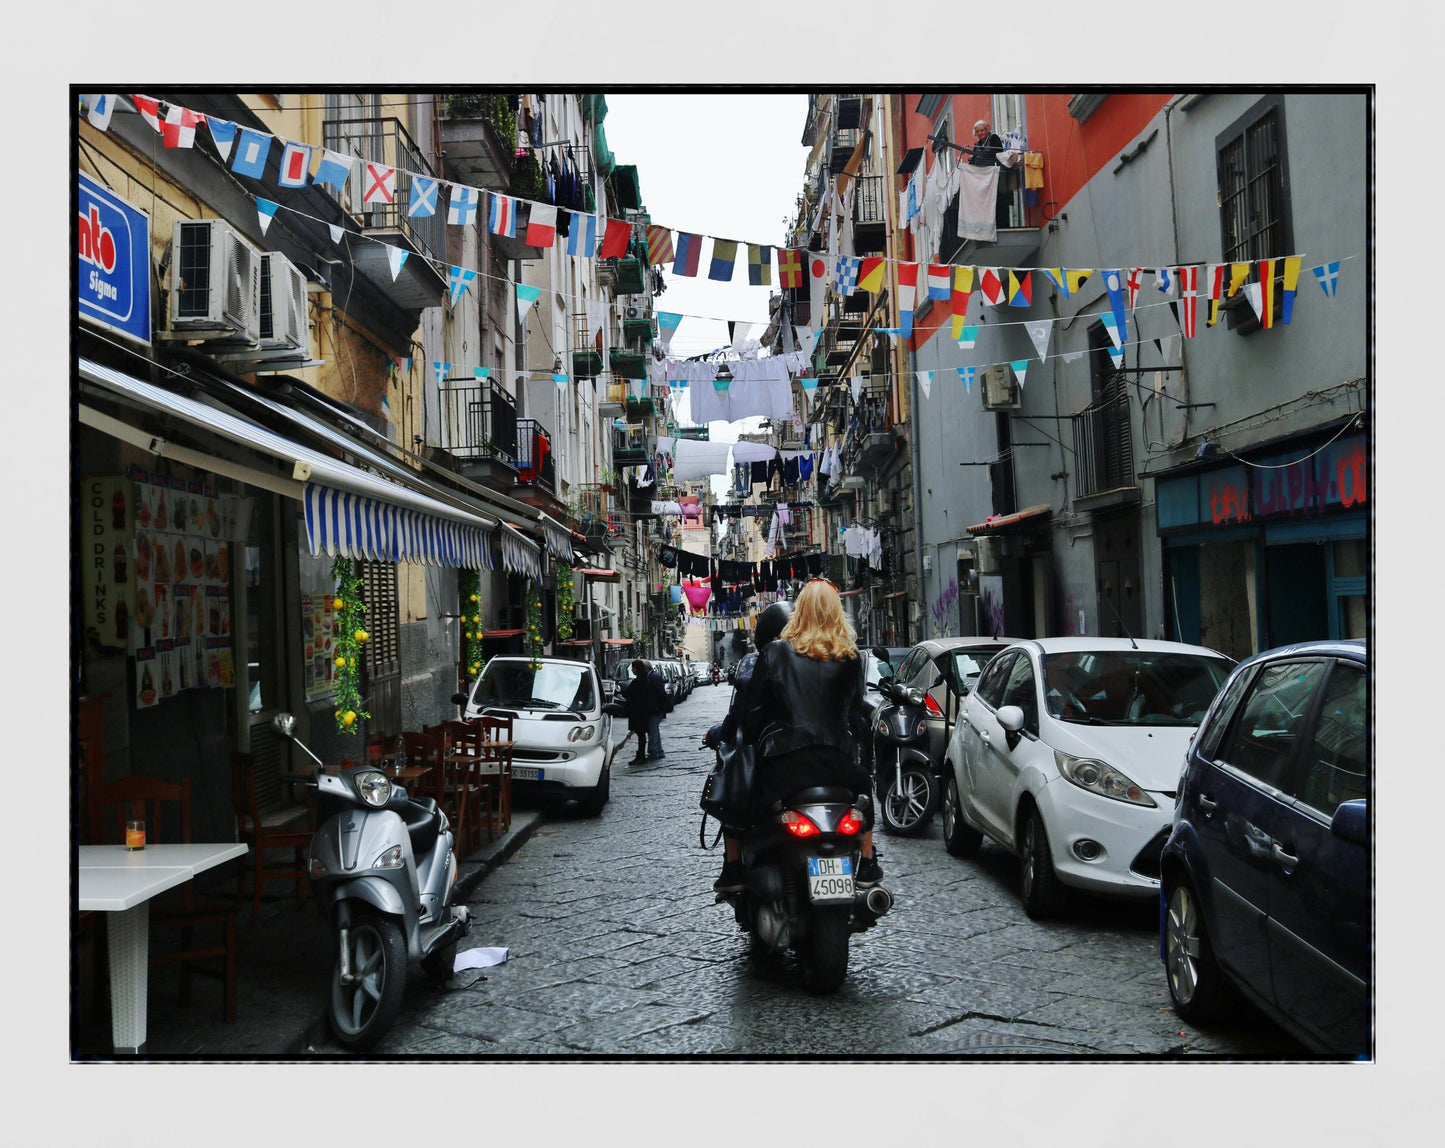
[(120, 881)]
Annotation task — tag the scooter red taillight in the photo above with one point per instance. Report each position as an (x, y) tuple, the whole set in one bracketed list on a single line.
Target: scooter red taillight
[(796, 824), (852, 823)]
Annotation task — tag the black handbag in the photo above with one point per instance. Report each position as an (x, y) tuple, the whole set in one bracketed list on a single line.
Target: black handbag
[(727, 793)]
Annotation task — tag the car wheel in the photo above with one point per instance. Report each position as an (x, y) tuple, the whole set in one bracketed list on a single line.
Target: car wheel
[(1042, 893), (1195, 986), (594, 799), (959, 838)]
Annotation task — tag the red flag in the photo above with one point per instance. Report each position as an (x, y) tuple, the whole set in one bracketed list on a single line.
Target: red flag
[(790, 267), (149, 110), (1266, 293), (908, 275), (1189, 291), (991, 286), (615, 240)]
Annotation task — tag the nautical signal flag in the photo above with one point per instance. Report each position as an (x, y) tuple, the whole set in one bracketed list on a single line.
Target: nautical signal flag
[(295, 164), (1020, 289), (423, 197), (179, 130), (100, 107), (335, 168), (724, 256), (907, 293), (1327, 275), (526, 296), (266, 211), (380, 183), (659, 244), (1056, 276), (962, 288), (1291, 285), (1136, 280), (991, 286), (458, 280), (1261, 294), (760, 265), (149, 109), (790, 268), (845, 274), (1114, 285), (581, 234), (1074, 278), (502, 216), (1189, 302), (938, 285), (223, 134), (870, 273), (817, 282), (1238, 273), (541, 225), (1215, 287), (689, 254), (615, 238), (462, 208)]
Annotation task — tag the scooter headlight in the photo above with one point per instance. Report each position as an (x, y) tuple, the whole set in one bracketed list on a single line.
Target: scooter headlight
[(374, 787), (915, 696), (389, 859)]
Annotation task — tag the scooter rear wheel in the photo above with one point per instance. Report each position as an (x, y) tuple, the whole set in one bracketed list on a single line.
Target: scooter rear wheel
[(363, 1011), (823, 953)]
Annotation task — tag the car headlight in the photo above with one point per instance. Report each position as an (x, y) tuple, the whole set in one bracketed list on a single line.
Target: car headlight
[(581, 733), (373, 786), (1102, 778)]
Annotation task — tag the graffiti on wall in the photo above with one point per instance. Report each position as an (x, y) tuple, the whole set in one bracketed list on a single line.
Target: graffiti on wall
[(1336, 476), (942, 610), (991, 600)]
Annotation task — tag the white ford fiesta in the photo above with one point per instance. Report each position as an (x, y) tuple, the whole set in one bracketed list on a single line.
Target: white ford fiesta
[(1068, 753), (563, 740)]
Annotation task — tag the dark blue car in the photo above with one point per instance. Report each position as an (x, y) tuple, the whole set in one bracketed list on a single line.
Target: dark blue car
[(1266, 874)]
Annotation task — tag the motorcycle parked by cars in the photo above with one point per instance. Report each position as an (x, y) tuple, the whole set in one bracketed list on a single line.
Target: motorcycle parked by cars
[(383, 871), (903, 771)]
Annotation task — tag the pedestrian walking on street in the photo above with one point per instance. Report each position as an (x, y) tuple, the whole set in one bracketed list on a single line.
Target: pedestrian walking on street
[(646, 698)]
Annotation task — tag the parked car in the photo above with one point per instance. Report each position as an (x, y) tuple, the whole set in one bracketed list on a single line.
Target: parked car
[(945, 669), (1067, 753), (701, 674), (1266, 873), (672, 678), (562, 738)]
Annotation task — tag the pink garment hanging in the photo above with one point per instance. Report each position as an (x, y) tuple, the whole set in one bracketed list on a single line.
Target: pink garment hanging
[(697, 596)]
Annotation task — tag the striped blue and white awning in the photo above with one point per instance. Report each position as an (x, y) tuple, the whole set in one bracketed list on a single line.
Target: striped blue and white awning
[(352, 525), (558, 538), (519, 555)]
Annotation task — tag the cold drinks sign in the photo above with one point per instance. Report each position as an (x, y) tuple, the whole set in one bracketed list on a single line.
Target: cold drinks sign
[(114, 248)]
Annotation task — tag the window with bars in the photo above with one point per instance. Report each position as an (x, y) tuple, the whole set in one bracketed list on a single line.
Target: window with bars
[(1254, 185), (381, 653)]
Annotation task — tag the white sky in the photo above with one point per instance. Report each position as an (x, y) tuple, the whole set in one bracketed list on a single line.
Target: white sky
[(720, 165)]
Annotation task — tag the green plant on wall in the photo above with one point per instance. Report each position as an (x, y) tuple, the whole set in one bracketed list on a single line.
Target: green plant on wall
[(469, 587), (534, 625), (565, 603), (350, 637)]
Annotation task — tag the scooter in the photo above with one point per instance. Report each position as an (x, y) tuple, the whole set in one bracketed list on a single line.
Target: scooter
[(383, 871), (903, 772), (716, 675), (799, 890)]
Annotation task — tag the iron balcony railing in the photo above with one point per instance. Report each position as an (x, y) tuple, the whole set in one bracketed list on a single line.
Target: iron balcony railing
[(1103, 442), (869, 204), (535, 463), (385, 140), (479, 422)]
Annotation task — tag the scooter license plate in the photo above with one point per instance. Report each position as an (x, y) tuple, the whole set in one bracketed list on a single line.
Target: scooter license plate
[(830, 879), (526, 773)]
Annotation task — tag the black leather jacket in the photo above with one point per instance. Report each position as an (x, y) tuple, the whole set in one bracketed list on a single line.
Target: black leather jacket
[(798, 702)]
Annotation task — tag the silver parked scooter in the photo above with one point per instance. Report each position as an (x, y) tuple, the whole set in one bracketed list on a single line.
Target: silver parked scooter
[(383, 871)]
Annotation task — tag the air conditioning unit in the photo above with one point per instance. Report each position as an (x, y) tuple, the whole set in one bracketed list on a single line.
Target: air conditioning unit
[(633, 313), (987, 546), (283, 304), (1000, 389), (215, 284)]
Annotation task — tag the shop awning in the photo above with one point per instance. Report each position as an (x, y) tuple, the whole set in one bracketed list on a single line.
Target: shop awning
[(349, 511), (575, 643), (558, 539), (520, 555), (597, 575), (1004, 521), (488, 635), (851, 593), (617, 641)]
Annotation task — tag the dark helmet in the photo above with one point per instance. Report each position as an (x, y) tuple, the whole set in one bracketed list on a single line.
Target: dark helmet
[(770, 623)]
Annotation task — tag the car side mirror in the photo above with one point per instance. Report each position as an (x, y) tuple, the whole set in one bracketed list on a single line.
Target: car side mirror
[(1012, 720), (459, 699), (941, 679), (1351, 822)]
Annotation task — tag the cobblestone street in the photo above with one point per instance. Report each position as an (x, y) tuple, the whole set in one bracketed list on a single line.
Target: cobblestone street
[(616, 948)]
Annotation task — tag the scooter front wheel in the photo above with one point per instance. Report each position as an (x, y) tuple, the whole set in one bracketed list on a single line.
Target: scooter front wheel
[(907, 798), (363, 1011)]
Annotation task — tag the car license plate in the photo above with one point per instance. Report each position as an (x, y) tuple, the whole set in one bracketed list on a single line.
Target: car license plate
[(830, 879), (526, 773)]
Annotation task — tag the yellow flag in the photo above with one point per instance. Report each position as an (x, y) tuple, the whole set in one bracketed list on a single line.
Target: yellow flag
[(1238, 273)]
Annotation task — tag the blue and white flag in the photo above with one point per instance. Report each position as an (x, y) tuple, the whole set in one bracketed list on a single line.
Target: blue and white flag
[(559, 379), (526, 296), (1021, 368), (1116, 352), (667, 322), (223, 134), (251, 153), (1164, 280), (845, 273), (459, 280), (266, 210), (967, 338), (423, 197), (463, 207), (98, 110), (337, 234), (925, 382), (482, 373), (1327, 275), (440, 370), (395, 257), (335, 169), (295, 164), (965, 374), (582, 234), (1114, 285)]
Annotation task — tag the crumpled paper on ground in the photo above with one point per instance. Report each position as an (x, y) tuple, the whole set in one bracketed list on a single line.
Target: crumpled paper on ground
[(467, 967)]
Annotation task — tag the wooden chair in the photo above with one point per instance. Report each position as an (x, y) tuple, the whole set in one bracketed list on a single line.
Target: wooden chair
[(495, 742), (266, 819), (459, 799), (462, 763), (148, 798)]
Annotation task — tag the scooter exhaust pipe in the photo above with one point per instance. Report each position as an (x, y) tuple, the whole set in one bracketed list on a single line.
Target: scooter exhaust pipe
[(878, 901)]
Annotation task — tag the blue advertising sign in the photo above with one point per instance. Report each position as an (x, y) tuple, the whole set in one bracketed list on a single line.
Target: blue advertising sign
[(114, 248)]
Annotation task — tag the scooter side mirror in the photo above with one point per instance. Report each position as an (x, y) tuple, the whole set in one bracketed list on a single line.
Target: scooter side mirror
[(459, 699), (881, 653), (284, 724)]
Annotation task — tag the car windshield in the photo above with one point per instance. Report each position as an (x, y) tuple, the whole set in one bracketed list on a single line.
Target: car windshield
[(968, 664), (551, 686), (1132, 687)]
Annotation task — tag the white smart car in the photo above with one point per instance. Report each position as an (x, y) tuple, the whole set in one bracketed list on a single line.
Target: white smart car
[(1068, 753), (563, 739)]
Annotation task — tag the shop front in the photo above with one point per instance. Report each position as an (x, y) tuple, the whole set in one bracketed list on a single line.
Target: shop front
[(1270, 548)]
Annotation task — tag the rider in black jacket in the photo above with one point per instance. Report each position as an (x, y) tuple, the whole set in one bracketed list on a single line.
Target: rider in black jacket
[(805, 692)]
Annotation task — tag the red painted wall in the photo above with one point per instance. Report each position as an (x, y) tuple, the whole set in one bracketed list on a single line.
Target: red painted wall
[(1073, 152)]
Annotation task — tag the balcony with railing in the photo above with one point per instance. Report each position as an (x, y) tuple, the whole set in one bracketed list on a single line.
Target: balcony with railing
[(385, 140), (870, 215), (629, 446), (535, 463), (1104, 445), (868, 435), (479, 431)]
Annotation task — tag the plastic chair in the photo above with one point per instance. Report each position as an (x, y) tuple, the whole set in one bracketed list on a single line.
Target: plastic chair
[(148, 799), (265, 821)]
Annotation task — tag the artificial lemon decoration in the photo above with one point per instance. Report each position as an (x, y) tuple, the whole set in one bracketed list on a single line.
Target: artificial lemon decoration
[(341, 663), (349, 717)]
